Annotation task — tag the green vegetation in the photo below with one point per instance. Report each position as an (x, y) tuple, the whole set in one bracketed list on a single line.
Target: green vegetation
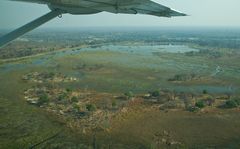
[(232, 103), (200, 104), (43, 99), (155, 93), (76, 107), (74, 99), (129, 94), (205, 92), (192, 108), (68, 90), (184, 77), (91, 107), (114, 103), (94, 98)]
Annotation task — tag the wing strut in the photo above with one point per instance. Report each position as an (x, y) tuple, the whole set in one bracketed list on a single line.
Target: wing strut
[(28, 27)]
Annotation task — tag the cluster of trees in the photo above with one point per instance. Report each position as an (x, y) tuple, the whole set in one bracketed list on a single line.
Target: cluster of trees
[(232, 103), (205, 52), (183, 77)]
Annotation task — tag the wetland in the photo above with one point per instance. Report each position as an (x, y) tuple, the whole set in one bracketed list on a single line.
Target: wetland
[(121, 88)]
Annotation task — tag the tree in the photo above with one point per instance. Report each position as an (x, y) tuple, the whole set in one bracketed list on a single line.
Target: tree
[(43, 99), (200, 104), (114, 103), (68, 90), (129, 94), (91, 107), (231, 104), (155, 93), (74, 99), (205, 92)]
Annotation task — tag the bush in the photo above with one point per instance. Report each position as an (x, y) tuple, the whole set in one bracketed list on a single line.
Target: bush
[(129, 94), (205, 92), (91, 107), (237, 100), (68, 90), (76, 107), (74, 99), (114, 103), (192, 108), (62, 96), (43, 99), (200, 104), (155, 93), (231, 104)]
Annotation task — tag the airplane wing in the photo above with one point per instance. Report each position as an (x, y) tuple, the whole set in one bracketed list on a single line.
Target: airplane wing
[(135, 7), (59, 7), (28, 27)]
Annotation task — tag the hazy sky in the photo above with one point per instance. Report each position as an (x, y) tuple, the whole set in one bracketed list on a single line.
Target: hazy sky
[(202, 13)]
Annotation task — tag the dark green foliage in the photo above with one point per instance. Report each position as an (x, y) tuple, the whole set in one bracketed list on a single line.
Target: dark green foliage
[(200, 104), (205, 52), (129, 94), (231, 103), (47, 75), (237, 100), (43, 99), (68, 90), (192, 108), (114, 103), (205, 92), (91, 107), (183, 77), (155, 93), (76, 107), (62, 96), (74, 99)]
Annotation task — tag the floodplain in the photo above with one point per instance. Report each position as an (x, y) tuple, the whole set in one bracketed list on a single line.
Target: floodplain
[(121, 88)]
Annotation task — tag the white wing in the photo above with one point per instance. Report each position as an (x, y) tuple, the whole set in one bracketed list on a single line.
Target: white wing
[(134, 7), (114, 6)]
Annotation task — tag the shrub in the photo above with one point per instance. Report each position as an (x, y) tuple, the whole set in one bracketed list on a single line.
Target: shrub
[(62, 96), (76, 107), (91, 107), (237, 100), (43, 99), (200, 104), (205, 92), (74, 99), (129, 94), (155, 93), (231, 104), (192, 108), (114, 103), (68, 90)]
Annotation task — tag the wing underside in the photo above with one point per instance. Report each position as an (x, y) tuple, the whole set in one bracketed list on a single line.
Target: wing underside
[(28, 27), (134, 7), (74, 7)]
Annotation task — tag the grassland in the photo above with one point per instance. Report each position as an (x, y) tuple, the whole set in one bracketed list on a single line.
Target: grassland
[(117, 82)]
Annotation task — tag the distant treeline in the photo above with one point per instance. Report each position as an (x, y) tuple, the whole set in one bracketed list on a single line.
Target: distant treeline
[(49, 40)]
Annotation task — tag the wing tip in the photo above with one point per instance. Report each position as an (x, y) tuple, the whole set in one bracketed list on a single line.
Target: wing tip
[(175, 13)]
